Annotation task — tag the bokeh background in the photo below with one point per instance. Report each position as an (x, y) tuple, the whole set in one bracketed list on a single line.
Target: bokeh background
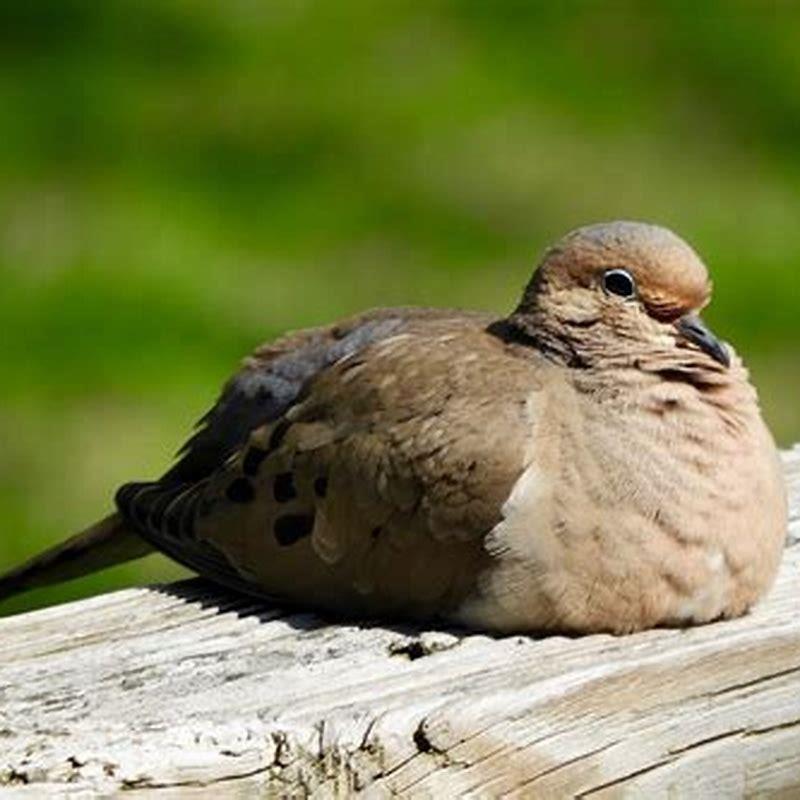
[(182, 180)]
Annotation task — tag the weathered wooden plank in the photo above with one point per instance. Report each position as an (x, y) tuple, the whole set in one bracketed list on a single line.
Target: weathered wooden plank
[(172, 690)]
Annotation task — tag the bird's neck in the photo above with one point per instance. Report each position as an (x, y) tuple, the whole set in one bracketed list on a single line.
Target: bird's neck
[(625, 370)]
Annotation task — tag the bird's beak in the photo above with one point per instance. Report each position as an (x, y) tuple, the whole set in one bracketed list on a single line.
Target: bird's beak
[(694, 330)]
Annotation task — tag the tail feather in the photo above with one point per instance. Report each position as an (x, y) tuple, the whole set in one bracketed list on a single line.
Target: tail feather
[(102, 545)]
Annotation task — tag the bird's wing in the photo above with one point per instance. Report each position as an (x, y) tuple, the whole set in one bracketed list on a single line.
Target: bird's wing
[(371, 489), (270, 381)]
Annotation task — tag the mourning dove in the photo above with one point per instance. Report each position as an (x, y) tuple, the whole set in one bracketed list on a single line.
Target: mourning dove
[(596, 461)]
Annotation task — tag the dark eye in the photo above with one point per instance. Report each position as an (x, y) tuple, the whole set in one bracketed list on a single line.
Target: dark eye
[(619, 282)]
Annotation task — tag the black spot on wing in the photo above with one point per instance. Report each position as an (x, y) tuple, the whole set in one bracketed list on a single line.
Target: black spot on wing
[(252, 460), (278, 434), (290, 528), (240, 490), (283, 488), (321, 486)]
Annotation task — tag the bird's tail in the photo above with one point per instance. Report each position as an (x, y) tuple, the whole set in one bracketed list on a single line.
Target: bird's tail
[(102, 545)]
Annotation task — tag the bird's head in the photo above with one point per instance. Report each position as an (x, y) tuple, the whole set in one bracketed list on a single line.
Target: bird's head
[(616, 291)]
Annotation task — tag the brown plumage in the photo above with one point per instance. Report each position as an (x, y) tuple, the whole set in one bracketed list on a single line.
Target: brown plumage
[(594, 461)]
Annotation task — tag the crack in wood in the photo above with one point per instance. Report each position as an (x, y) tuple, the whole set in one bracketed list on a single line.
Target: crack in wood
[(564, 765), (623, 779), (761, 679)]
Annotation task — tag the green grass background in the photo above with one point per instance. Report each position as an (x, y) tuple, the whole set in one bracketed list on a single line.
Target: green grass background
[(182, 180)]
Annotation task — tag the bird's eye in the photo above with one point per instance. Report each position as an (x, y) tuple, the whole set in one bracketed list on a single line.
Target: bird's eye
[(619, 282)]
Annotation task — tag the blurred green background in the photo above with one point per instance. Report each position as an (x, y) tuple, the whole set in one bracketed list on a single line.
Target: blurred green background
[(182, 180)]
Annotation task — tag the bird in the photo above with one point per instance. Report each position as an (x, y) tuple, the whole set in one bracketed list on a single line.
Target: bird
[(594, 461)]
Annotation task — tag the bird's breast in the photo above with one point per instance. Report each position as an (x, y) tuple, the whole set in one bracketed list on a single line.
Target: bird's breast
[(634, 510)]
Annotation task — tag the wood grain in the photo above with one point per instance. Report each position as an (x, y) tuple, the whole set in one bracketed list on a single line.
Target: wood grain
[(179, 690)]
